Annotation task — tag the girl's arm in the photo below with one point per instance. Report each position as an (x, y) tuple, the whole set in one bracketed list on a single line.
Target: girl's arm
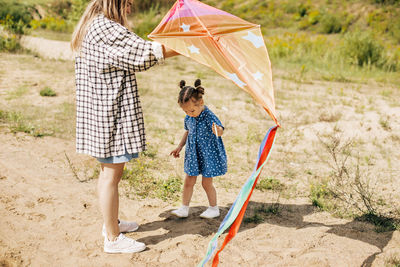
[(177, 150)]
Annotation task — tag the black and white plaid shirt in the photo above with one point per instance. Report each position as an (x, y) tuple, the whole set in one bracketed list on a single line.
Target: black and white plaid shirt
[(109, 119)]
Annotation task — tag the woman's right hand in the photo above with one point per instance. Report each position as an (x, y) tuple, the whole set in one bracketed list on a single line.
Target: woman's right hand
[(169, 52), (176, 152)]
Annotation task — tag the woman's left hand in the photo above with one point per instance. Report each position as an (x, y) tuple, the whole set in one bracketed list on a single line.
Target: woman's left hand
[(217, 130)]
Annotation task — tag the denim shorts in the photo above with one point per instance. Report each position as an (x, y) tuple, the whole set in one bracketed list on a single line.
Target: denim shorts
[(119, 159)]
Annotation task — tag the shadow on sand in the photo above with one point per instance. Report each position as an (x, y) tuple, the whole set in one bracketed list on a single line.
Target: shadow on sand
[(290, 215)]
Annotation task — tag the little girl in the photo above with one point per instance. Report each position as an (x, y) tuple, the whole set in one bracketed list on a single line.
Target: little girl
[(205, 152)]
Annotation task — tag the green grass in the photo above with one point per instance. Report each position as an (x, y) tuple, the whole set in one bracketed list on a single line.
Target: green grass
[(17, 93), (270, 184), (47, 92), (261, 213), (142, 183)]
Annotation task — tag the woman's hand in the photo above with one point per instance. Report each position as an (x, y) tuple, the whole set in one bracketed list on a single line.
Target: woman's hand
[(169, 52), (176, 152), (217, 130)]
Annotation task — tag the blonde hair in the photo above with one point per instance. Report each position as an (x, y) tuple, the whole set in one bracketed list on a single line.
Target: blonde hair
[(115, 10)]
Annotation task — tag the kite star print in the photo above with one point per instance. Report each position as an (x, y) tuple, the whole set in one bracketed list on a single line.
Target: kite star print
[(235, 49)]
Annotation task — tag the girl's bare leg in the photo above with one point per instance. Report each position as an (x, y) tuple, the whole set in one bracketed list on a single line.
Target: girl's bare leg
[(107, 188), (188, 185), (207, 183)]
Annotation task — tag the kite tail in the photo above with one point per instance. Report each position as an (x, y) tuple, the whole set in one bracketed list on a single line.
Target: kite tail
[(235, 214)]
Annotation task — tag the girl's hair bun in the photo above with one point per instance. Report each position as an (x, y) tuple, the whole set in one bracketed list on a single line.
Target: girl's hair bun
[(182, 84), (197, 83)]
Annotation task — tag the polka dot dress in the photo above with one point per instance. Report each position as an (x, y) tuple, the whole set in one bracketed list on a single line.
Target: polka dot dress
[(205, 152)]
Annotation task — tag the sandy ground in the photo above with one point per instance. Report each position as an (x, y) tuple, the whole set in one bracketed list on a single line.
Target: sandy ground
[(49, 218)]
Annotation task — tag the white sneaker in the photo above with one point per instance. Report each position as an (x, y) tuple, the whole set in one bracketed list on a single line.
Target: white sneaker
[(182, 212), (123, 244), (124, 227), (211, 212)]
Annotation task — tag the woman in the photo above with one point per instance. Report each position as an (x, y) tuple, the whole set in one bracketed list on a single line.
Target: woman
[(109, 121)]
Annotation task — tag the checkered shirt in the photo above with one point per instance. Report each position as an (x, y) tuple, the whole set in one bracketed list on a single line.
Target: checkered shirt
[(109, 118)]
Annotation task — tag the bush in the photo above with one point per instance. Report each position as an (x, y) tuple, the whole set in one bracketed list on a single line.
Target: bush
[(330, 23), (362, 49), (51, 23), (13, 26), (9, 43), (147, 21), (386, 2), (61, 7), (18, 11), (47, 92)]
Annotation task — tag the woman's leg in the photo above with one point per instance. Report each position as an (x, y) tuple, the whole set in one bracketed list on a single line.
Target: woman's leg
[(190, 181), (107, 187), (207, 183)]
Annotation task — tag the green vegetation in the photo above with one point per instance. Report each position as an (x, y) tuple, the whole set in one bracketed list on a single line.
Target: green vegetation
[(270, 184), (47, 92), (348, 191), (142, 182), (346, 45), (261, 213), (16, 122)]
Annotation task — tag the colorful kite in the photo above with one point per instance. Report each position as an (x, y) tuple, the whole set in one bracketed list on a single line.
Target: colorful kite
[(235, 49)]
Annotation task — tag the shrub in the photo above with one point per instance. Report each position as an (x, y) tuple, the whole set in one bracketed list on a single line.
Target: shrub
[(17, 10), (13, 26), (147, 21), (51, 23), (361, 49), (386, 2), (9, 43), (61, 7), (270, 184), (47, 92), (330, 23)]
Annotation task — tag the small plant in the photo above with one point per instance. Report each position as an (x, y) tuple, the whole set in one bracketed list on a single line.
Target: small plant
[(349, 187), (330, 116), (270, 184), (261, 212), (392, 261), (384, 122), (47, 92), (320, 195)]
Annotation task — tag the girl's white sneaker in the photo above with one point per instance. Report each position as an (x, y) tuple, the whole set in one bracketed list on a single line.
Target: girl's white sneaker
[(123, 244), (210, 213), (182, 212), (124, 227)]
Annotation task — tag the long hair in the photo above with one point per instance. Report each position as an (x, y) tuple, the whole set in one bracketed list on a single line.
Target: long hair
[(115, 10)]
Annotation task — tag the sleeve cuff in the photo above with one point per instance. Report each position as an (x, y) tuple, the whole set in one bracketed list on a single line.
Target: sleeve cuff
[(158, 52)]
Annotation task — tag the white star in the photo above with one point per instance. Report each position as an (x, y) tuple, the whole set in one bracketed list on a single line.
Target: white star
[(236, 79), (258, 76), (256, 40), (194, 50), (185, 27)]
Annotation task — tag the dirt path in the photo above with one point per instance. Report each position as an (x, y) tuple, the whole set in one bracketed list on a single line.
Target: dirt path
[(51, 49)]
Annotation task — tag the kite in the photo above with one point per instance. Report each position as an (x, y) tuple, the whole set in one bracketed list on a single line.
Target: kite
[(235, 49)]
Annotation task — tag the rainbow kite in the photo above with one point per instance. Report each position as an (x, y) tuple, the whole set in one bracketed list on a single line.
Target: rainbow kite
[(235, 49)]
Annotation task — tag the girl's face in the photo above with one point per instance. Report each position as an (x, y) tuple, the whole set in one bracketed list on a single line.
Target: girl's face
[(193, 107)]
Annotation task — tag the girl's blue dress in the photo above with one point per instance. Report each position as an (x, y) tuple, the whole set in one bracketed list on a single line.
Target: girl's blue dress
[(205, 152)]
